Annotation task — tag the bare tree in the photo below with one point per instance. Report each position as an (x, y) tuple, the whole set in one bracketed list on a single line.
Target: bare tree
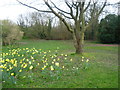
[(77, 12)]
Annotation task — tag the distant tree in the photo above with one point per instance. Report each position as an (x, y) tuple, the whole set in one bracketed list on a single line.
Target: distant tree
[(108, 29), (10, 32)]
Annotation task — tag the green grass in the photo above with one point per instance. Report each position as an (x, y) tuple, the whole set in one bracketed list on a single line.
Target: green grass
[(101, 73)]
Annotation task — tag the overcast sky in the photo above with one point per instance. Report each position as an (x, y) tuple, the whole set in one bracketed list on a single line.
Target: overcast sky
[(10, 9)]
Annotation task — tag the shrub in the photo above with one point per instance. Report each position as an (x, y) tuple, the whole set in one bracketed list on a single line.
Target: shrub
[(108, 29), (10, 32)]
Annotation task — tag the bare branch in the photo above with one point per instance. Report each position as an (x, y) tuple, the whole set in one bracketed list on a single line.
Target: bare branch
[(66, 16), (59, 8), (102, 7), (62, 19), (71, 11), (87, 6), (33, 7)]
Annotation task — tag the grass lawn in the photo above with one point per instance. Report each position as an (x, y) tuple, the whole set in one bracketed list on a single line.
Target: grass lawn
[(102, 71)]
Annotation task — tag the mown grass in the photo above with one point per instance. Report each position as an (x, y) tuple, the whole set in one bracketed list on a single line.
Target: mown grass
[(102, 71)]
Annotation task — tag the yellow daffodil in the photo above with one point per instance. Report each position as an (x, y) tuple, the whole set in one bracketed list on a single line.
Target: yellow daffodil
[(38, 63), (66, 55), (8, 70), (87, 60), (51, 67), (7, 60), (82, 57), (20, 70), (46, 63), (32, 57), (65, 58), (43, 68), (63, 67), (57, 64), (11, 68), (54, 60), (58, 59), (31, 67), (12, 74), (71, 59), (25, 66), (30, 62)]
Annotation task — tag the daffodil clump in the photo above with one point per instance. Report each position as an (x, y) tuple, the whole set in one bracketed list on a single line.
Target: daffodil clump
[(50, 64)]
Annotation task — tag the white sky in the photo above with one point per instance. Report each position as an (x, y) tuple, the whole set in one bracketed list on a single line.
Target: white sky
[(10, 9)]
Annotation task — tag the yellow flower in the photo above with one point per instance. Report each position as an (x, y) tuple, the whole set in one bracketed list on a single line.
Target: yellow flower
[(7, 60), (1, 66), (7, 69), (51, 67), (58, 59), (25, 66), (63, 67), (15, 64), (44, 52), (61, 54), (11, 68), (82, 60), (82, 57), (30, 62), (33, 60), (49, 51), (57, 64), (65, 58), (32, 57), (87, 60), (20, 70), (12, 74), (54, 60), (27, 59), (38, 63), (43, 68), (71, 59), (66, 55), (31, 67), (46, 63)]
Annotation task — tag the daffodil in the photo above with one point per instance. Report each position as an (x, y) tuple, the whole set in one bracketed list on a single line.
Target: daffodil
[(25, 66), (7, 60), (63, 66), (54, 60), (20, 70), (87, 60), (82, 57), (12, 74), (51, 67), (31, 67), (38, 63), (71, 59), (8, 69), (66, 55), (57, 64), (30, 62)]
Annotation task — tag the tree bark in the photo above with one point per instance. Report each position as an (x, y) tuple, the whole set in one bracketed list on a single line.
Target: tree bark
[(78, 37)]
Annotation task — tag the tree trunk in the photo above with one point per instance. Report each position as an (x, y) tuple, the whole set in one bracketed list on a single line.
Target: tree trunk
[(78, 42)]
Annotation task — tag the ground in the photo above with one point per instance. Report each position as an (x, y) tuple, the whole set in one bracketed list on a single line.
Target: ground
[(102, 71)]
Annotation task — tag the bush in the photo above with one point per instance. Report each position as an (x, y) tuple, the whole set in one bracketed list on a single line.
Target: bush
[(10, 32), (108, 29)]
